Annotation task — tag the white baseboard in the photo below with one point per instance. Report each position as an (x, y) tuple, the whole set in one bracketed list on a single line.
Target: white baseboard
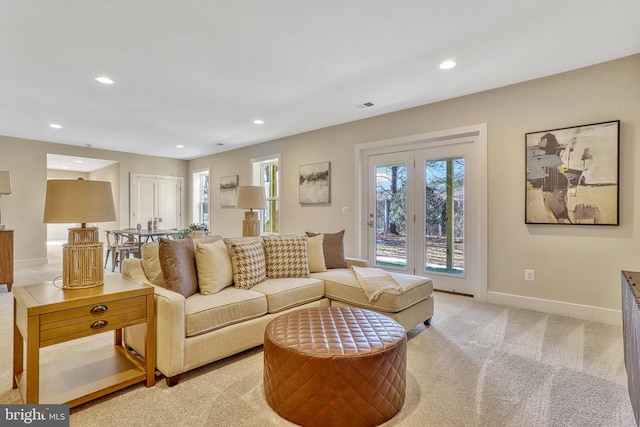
[(20, 263), (585, 312)]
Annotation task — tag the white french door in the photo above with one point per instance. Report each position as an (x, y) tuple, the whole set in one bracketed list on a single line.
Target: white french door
[(426, 211), (155, 197)]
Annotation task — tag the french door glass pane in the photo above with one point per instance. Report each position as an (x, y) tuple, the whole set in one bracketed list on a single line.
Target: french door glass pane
[(444, 213), (391, 221)]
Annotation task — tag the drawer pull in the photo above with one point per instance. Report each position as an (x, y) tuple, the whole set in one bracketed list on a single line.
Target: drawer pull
[(99, 309), (99, 324)]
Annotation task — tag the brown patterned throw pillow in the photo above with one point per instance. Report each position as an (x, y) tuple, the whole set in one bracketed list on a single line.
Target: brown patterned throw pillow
[(333, 248), (248, 263), (178, 263), (286, 256)]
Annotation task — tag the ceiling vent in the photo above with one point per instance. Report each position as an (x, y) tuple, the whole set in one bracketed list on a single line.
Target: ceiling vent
[(366, 105)]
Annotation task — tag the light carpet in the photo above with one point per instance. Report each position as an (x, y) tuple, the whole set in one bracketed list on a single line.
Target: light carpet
[(476, 365)]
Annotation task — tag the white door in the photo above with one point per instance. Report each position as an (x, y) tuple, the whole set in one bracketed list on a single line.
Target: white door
[(157, 197), (426, 212), (169, 193)]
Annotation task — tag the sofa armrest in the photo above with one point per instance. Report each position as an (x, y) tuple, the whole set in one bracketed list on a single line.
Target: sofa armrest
[(170, 317), (357, 262), (131, 269)]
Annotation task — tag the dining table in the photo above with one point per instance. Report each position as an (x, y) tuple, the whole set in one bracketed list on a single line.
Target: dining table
[(143, 236)]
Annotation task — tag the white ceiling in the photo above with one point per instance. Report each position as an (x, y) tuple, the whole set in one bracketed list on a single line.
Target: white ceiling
[(198, 72)]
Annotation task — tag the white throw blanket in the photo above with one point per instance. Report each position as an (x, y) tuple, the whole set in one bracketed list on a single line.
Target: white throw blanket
[(375, 281)]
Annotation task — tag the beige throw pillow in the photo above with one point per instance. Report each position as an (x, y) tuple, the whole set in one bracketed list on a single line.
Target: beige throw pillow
[(178, 262), (286, 256), (333, 248), (316, 254), (214, 267), (248, 263), (151, 264)]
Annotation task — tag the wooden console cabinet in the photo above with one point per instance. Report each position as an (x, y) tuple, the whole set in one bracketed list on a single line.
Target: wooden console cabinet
[(6, 258), (45, 315)]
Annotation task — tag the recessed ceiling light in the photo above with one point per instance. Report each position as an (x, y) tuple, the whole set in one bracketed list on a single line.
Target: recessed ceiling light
[(104, 80), (180, 146), (55, 126), (77, 161), (447, 65), (258, 122)]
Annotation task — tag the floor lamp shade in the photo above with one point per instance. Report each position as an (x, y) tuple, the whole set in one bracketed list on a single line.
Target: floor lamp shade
[(80, 201), (5, 189), (250, 197)]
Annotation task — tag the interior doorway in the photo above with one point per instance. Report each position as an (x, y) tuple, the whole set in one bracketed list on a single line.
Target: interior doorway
[(74, 167)]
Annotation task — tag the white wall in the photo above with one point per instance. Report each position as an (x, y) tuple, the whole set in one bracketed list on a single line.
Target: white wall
[(577, 268)]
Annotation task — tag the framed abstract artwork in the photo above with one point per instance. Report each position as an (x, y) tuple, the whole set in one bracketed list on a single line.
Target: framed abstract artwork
[(315, 183), (572, 175), (228, 191)]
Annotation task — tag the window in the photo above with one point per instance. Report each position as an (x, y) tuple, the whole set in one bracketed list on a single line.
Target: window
[(266, 174), (201, 197)]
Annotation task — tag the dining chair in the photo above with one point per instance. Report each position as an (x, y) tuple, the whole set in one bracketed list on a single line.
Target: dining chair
[(111, 247), (122, 247)]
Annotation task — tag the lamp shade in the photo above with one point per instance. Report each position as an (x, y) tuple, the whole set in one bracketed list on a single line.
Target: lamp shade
[(78, 201), (250, 197), (5, 183)]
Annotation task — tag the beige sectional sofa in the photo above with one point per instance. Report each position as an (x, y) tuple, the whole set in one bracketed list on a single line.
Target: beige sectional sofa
[(234, 301)]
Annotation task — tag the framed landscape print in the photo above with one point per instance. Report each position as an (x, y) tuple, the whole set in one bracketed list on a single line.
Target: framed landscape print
[(572, 175), (315, 183), (228, 191)]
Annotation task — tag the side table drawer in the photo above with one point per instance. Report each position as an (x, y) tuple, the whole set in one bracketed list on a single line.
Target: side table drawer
[(88, 320)]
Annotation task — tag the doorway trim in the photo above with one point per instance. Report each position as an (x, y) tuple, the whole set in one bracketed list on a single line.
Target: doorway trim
[(418, 141)]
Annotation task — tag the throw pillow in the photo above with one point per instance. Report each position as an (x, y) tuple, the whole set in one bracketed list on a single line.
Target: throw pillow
[(316, 254), (214, 267), (248, 263), (178, 262), (286, 256), (151, 264), (333, 248)]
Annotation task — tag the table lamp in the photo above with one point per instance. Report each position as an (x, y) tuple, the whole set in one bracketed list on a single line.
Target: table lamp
[(80, 201), (5, 189), (250, 197)]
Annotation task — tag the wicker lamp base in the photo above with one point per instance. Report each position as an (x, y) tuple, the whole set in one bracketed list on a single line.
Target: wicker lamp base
[(82, 259)]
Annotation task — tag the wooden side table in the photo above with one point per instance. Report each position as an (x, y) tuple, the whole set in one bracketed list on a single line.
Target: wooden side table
[(6, 258), (45, 315)]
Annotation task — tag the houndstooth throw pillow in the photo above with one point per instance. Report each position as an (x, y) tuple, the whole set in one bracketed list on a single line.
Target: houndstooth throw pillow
[(248, 263), (286, 256)]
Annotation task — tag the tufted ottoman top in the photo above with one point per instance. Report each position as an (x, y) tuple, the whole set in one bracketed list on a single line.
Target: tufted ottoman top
[(335, 366), (335, 331)]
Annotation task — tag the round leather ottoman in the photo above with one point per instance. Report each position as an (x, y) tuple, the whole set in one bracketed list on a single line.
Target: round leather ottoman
[(335, 366)]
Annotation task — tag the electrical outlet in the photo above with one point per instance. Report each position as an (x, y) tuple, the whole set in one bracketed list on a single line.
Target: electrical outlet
[(529, 275), (345, 210)]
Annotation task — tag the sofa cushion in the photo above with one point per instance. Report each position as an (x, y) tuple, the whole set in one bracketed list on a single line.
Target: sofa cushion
[(213, 266), (151, 264), (206, 313), (248, 263), (341, 285), (333, 249), (316, 254), (286, 293), (286, 256), (178, 262)]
